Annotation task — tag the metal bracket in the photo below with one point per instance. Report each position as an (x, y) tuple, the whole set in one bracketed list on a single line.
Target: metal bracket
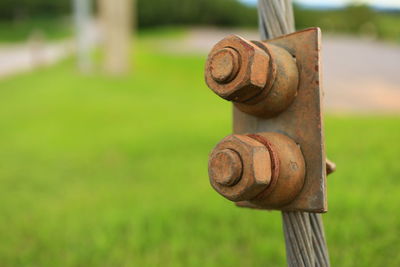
[(301, 121)]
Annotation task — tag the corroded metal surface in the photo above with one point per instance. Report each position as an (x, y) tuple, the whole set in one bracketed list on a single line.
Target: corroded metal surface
[(275, 88), (330, 167), (301, 121), (265, 169), (260, 78), (255, 174), (249, 79), (290, 171), (280, 92)]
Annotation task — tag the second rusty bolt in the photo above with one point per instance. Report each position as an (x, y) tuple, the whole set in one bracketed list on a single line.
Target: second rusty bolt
[(266, 169)]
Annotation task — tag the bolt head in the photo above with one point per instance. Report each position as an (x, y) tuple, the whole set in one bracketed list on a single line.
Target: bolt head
[(224, 168), (250, 78), (224, 65)]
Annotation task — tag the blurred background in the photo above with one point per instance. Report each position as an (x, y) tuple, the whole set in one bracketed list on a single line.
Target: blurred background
[(106, 125)]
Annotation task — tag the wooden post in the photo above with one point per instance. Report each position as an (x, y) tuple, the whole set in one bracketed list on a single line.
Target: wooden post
[(37, 48), (116, 19), (304, 233)]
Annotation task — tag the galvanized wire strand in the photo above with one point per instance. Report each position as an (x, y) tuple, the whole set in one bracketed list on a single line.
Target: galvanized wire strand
[(304, 232), (275, 18), (305, 239), (319, 241), (298, 239)]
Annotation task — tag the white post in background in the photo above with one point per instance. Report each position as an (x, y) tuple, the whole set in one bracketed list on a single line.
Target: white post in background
[(82, 16)]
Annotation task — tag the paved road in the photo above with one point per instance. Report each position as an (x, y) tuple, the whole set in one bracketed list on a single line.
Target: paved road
[(24, 57), (37, 52), (360, 75)]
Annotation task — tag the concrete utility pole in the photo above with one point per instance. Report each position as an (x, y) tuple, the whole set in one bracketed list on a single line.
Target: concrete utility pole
[(117, 23), (304, 232), (82, 10)]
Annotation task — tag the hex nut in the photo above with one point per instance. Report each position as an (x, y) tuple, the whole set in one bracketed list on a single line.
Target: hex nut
[(282, 86), (226, 167), (291, 174), (255, 168), (224, 65), (252, 66)]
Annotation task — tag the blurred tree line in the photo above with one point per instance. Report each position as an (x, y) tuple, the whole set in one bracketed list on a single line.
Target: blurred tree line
[(194, 12), (354, 19), (22, 9), (149, 12)]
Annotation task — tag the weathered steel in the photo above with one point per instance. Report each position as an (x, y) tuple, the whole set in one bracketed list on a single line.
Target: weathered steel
[(330, 167), (264, 170), (259, 78), (279, 82), (290, 175), (276, 19), (301, 121), (226, 167), (224, 65), (255, 175), (299, 239), (250, 78), (282, 87)]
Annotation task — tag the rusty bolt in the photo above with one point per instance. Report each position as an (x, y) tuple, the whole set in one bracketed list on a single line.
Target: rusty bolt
[(239, 167), (226, 167), (224, 65), (265, 169), (330, 166), (259, 77), (236, 69)]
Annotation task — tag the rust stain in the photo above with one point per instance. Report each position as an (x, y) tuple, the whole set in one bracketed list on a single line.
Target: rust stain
[(277, 91)]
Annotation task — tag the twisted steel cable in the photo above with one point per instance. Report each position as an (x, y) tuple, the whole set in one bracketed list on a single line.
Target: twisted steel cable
[(304, 232)]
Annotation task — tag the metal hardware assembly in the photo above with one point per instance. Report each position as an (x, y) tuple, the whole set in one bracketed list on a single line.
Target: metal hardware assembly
[(276, 157), (266, 169), (260, 78)]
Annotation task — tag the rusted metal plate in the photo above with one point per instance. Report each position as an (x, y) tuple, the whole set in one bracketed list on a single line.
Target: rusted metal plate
[(301, 121)]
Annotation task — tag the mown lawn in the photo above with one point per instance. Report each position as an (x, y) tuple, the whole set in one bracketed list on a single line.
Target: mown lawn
[(99, 171)]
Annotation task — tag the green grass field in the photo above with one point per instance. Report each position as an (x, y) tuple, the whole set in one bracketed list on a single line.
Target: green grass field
[(99, 171)]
